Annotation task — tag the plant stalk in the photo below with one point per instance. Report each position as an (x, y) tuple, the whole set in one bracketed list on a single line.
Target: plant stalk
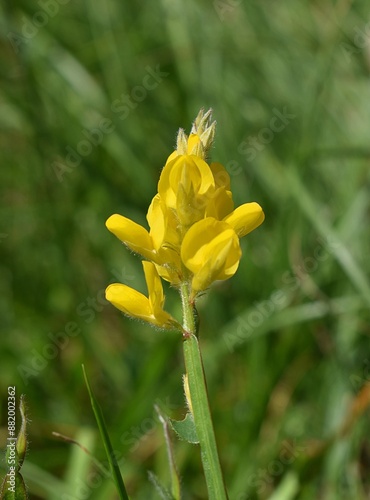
[(199, 402)]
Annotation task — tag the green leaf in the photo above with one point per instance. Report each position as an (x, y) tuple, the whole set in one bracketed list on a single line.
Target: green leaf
[(185, 429), (13, 488), (116, 473)]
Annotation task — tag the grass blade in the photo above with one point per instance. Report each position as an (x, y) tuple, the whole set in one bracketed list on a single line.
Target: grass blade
[(340, 250), (116, 473)]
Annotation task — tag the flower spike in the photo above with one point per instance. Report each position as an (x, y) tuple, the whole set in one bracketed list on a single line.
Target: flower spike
[(194, 229)]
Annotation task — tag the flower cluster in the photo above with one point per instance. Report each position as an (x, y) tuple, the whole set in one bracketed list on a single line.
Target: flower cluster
[(194, 229)]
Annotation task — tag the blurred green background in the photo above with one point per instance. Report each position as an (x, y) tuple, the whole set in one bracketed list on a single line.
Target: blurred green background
[(92, 95)]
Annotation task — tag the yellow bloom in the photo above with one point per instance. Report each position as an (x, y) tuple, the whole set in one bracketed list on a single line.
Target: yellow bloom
[(136, 305), (211, 251), (153, 247), (185, 185)]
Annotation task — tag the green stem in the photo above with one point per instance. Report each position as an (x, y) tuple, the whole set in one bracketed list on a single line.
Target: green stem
[(199, 402)]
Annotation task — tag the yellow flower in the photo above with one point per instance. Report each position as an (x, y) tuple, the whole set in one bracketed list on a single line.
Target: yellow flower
[(185, 185), (211, 251), (155, 245), (160, 245), (221, 202), (136, 305)]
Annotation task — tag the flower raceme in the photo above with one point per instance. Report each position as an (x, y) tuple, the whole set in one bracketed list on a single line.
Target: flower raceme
[(194, 229)]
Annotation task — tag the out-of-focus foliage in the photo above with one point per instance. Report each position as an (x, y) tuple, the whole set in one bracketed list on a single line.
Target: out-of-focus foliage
[(91, 97)]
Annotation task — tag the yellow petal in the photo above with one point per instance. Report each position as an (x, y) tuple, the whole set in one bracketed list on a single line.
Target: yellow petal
[(220, 175), (197, 178), (205, 174), (189, 206), (197, 241), (156, 297), (211, 251), (245, 218), (172, 156), (220, 204), (136, 305), (222, 265), (155, 289), (133, 235), (193, 141), (170, 274), (163, 225), (129, 301), (194, 144), (156, 221)]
